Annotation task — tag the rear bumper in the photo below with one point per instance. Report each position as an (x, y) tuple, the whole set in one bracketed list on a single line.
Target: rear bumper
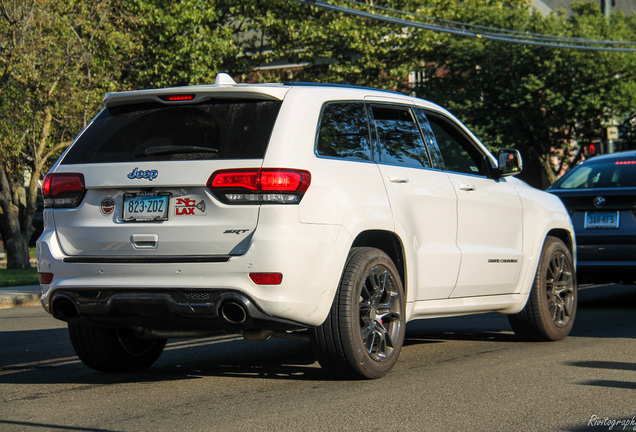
[(184, 310), (605, 260), (606, 272)]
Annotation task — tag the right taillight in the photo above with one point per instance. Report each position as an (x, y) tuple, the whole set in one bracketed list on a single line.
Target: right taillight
[(259, 185), (63, 190)]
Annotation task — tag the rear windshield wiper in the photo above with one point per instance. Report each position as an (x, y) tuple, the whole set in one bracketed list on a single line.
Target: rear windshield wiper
[(161, 150)]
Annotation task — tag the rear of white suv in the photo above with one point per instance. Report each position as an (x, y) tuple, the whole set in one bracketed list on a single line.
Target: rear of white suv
[(333, 211)]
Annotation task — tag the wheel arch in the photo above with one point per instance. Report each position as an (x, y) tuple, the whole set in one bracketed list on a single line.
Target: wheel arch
[(567, 238), (389, 243)]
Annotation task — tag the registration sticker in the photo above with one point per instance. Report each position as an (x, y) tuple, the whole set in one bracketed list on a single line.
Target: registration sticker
[(601, 220)]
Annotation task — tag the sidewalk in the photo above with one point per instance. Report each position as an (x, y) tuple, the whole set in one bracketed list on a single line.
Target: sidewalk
[(11, 297)]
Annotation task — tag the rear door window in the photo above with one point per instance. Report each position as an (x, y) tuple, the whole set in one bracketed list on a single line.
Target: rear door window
[(399, 138), (221, 129)]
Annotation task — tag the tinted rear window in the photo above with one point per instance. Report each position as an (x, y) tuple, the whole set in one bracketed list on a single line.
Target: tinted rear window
[(606, 174), (233, 129), (344, 131), (399, 137)]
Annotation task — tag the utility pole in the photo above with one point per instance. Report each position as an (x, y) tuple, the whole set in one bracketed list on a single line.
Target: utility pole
[(611, 129), (605, 7)]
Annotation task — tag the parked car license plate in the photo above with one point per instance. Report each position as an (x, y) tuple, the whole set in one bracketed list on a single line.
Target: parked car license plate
[(601, 220), (146, 206)]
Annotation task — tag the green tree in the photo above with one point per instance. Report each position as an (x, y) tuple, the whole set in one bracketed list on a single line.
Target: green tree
[(56, 60), (547, 102), (327, 46), (188, 42)]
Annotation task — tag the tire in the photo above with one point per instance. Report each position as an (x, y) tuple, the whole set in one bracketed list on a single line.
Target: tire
[(113, 350), (364, 331), (551, 308)]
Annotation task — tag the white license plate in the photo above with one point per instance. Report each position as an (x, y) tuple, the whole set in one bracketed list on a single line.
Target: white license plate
[(595, 220), (146, 207)]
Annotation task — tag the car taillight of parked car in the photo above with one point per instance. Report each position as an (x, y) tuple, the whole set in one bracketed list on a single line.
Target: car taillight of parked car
[(625, 162), (63, 190), (259, 186)]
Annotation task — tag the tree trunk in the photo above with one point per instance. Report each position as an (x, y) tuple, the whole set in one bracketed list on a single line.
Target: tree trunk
[(17, 250), (17, 206), (16, 243), (547, 168), (16, 222)]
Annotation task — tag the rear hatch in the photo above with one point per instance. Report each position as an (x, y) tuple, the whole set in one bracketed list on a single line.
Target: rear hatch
[(145, 162), (601, 198), (605, 231)]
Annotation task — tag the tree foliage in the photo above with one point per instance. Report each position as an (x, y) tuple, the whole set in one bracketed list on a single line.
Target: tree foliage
[(56, 60), (549, 103), (327, 46), (187, 42)]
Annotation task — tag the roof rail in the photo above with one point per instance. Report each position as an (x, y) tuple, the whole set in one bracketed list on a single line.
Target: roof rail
[(351, 86)]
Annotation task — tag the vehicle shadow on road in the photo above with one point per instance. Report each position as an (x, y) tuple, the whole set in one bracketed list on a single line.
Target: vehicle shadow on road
[(492, 327), (182, 360), (606, 311), (271, 359)]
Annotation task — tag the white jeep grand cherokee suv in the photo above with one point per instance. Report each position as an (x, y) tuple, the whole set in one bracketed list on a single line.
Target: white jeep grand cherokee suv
[(333, 211)]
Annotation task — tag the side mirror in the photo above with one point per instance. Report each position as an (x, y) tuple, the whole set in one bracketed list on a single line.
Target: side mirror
[(510, 162)]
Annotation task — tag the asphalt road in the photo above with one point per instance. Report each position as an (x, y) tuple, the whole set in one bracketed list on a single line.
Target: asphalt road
[(454, 374)]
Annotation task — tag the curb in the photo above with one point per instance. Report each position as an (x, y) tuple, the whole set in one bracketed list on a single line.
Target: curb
[(19, 296)]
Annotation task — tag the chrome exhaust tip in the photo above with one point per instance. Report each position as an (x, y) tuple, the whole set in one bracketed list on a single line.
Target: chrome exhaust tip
[(234, 312), (63, 307)]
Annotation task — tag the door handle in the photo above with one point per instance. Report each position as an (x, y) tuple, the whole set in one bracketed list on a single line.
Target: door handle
[(144, 241), (467, 187), (393, 179)]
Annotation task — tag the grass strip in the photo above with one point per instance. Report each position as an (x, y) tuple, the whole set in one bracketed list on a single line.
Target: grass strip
[(18, 277)]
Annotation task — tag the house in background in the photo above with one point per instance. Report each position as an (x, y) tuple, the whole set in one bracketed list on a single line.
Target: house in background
[(546, 6)]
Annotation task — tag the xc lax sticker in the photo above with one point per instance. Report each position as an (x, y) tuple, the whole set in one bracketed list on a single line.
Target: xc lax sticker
[(189, 206)]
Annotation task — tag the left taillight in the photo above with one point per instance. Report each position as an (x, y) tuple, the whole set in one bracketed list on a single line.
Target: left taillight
[(63, 190), (259, 185)]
